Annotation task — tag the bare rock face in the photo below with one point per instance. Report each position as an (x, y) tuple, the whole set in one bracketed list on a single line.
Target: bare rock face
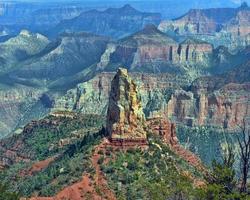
[(194, 51), (181, 107), (210, 21), (225, 108), (150, 47), (240, 24), (17, 107), (164, 128), (151, 88), (125, 118), (198, 21)]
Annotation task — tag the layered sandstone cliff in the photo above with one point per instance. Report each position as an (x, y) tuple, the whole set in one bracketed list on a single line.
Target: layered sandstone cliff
[(152, 50), (125, 117), (216, 101), (209, 21), (194, 51)]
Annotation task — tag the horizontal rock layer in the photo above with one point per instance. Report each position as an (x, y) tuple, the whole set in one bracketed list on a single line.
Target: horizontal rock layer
[(204, 104)]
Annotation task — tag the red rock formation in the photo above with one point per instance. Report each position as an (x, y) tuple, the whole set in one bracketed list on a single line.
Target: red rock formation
[(164, 128), (167, 130), (230, 106), (225, 108), (194, 51), (203, 104), (152, 46), (163, 53)]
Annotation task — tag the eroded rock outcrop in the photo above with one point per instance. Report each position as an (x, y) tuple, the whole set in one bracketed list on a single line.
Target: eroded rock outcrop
[(224, 108), (125, 117), (155, 91), (164, 128), (194, 51), (152, 50), (209, 21)]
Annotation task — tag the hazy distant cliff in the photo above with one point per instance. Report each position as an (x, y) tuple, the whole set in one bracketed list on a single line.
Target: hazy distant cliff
[(114, 22), (151, 50), (220, 26)]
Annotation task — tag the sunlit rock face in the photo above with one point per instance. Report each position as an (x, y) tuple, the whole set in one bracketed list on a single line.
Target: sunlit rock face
[(224, 108), (240, 24), (164, 128), (125, 118), (194, 51), (199, 21), (221, 101)]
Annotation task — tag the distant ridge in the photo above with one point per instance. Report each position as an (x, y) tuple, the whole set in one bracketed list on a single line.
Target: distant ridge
[(114, 22)]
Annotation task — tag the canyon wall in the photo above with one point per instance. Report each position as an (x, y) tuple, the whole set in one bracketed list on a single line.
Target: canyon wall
[(219, 26), (152, 47), (225, 108), (17, 107), (223, 104)]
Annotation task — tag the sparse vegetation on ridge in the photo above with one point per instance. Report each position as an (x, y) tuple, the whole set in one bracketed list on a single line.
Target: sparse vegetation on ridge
[(42, 142)]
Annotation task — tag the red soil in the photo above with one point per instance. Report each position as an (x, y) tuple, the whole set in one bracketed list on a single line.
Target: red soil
[(96, 188), (86, 189), (100, 180), (81, 190), (37, 167)]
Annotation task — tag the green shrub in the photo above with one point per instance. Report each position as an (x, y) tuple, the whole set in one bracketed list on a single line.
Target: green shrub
[(7, 195)]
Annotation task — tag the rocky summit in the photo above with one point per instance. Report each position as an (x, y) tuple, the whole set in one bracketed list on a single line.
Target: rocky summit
[(125, 118)]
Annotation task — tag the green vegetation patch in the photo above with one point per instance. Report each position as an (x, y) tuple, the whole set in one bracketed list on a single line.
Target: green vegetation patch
[(206, 142), (154, 173), (42, 141)]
